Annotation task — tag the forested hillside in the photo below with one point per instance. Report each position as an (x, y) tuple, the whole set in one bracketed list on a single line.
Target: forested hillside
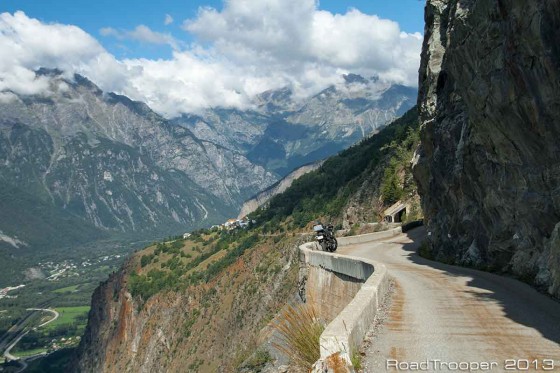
[(373, 174)]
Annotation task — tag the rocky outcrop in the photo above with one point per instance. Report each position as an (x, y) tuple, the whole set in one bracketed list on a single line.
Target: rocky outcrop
[(488, 169), (204, 326)]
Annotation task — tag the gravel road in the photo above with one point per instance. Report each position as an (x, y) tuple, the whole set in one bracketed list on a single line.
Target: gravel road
[(458, 315)]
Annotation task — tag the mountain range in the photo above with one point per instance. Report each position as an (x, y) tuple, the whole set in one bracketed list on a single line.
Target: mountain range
[(283, 132), (84, 164)]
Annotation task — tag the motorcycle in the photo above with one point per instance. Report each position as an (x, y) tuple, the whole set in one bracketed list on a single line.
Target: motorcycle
[(325, 237)]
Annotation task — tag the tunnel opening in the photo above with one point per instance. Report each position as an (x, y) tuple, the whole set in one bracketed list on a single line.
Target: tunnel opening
[(400, 215)]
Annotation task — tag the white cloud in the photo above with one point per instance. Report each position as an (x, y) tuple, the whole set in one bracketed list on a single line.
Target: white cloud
[(28, 44), (185, 81), (249, 47), (141, 33), (168, 20), (7, 97), (292, 33)]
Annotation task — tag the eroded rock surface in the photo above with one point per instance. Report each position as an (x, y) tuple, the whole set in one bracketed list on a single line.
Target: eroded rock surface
[(489, 165)]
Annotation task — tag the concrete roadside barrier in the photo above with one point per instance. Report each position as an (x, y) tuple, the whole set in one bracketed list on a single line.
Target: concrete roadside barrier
[(347, 330), (343, 241)]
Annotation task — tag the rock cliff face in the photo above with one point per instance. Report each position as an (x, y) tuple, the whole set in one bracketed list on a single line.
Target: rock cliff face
[(206, 326), (488, 169)]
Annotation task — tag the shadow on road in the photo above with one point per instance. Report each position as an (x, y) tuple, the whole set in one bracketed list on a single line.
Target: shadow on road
[(520, 302)]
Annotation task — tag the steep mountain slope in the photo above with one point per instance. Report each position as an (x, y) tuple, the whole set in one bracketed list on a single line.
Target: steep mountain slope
[(108, 165), (26, 214), (116, 165), (194, 305), (284, 132), (489, 167), (279, 187), (205, 304), (357, 184)]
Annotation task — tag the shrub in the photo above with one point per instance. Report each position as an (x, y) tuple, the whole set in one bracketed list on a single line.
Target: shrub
[(146, 259), (154, 281), (391, 189), (353, 230), (337, 364)]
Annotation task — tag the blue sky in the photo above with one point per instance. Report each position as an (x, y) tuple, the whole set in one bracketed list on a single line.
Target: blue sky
[(93, 15)]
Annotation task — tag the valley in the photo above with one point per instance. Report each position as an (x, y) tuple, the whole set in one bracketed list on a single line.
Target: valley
[(85, 166), (64, 279), (62, 282)]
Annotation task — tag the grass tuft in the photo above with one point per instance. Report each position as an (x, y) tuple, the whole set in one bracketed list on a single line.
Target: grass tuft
[(300, 331), (356, 359)]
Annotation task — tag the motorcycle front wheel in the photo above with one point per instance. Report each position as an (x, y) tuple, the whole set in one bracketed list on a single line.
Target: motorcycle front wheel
[(324, 245)]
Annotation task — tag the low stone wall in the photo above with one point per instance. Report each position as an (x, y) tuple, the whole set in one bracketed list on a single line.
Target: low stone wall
[(343, 241), (350, 313)]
